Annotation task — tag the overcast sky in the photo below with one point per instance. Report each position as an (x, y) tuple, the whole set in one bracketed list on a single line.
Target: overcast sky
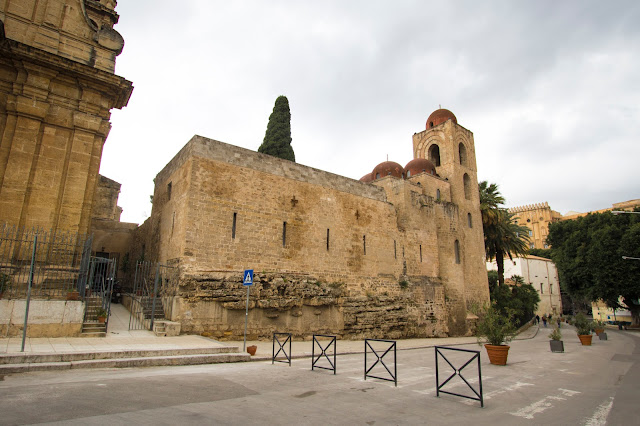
[(550, 89)]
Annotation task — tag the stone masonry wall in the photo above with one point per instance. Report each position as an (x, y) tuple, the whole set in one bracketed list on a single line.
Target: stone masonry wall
[(330, 254)]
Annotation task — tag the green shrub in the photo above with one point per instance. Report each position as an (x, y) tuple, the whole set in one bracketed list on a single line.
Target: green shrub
[(494, 326)]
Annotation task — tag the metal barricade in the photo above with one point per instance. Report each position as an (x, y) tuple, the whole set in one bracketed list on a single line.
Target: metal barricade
[(282, 348), (458, 372), (380, 359), (323, 352)]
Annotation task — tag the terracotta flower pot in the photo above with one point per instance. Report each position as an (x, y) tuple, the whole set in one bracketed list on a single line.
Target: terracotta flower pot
[(599, 331), (73, 295), (585, 339), (252, 349), (102, 320), (497, 354)]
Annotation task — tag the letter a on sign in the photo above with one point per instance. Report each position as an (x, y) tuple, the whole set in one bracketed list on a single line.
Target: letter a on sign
[(248, 277)]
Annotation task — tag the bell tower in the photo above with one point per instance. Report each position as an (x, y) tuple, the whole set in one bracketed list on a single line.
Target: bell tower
[(450, 147)]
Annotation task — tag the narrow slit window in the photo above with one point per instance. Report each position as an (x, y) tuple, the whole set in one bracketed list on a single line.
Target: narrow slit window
[(327, 239), (395, 250), (469, 220), (169, 185), (541, 288), (233, 226), (420, 253), (284, 233), (456, 247), (364, 244)]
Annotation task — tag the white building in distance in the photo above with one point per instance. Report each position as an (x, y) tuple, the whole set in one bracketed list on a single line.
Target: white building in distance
[(542, 274)]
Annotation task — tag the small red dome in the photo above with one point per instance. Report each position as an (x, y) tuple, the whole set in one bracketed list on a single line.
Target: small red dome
[(439, 116), (388, 168), (419, 165), (366, 178)]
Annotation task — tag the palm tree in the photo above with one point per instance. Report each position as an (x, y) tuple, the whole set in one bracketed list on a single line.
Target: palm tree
[(490, 201), (502, 236)]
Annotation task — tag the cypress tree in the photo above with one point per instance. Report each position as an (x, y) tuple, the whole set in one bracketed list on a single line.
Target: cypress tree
[(277, 138)]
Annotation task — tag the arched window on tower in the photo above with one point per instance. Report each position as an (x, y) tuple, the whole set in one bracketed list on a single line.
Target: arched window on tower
[(466, 180), (462, 152), (434, 154)]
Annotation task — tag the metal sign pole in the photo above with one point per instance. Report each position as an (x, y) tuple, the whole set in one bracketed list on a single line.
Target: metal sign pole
[(246, 319), (247, 280), (26, 311)]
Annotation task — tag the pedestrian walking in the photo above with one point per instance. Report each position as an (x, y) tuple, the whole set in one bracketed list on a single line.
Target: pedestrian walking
[(544, 320), (537, 319)]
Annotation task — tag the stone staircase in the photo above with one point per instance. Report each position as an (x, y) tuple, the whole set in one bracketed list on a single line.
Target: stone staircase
[(91, 327), (22, 363)]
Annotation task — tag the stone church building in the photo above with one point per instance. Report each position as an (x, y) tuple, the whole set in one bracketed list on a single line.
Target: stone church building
[(399, 253)]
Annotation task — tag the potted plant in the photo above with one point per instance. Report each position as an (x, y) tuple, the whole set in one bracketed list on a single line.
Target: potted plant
[(496, 330), (556, 344), (584, 327), (101, 313), (598, 327), (73, 294)]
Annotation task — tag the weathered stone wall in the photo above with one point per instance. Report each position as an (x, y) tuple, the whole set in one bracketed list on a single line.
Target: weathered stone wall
[(215, 303), (105, 200), (47, 318), (389, 247)]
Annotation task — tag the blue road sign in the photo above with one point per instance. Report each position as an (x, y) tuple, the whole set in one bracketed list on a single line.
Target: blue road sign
[(248, 277)]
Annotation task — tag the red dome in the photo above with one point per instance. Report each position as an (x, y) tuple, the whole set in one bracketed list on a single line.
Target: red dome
[(439, 116), (366, 178), (419, 165), (388, 168)]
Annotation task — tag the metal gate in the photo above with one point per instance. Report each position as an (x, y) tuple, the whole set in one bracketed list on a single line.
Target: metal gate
[(154, 288), (98, 288)]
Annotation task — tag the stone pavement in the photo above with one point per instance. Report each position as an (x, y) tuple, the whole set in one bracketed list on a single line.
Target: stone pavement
[(120, 338)]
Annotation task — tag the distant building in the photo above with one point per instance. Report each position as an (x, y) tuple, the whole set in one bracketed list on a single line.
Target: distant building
[(537, 218), (624, 205), (542, 274)]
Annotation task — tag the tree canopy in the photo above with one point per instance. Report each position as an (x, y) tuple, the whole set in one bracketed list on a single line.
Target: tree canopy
[(502, 236), (277, 138), (588, 252)]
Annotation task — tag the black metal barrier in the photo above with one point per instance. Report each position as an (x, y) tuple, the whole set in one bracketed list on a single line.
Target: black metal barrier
[(392, 345), (458, 371), (282, 348), (323, 352)]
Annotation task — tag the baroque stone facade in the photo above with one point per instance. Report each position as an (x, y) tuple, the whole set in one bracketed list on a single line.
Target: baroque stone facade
[(57, 88), (537, 218), (398, 254)]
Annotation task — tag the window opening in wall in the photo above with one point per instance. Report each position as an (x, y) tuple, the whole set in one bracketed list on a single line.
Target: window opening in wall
[(233, 226), (530, 233), (469, 220), (456, 246), (408, 173), (434, 154), (284, 233), (169, 190), (437, 195), (395, 251), (327, 239), (377, 175), (364, 244), (462, 151), (466, 180), (541, 288), (420, 253), (550, 288)]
